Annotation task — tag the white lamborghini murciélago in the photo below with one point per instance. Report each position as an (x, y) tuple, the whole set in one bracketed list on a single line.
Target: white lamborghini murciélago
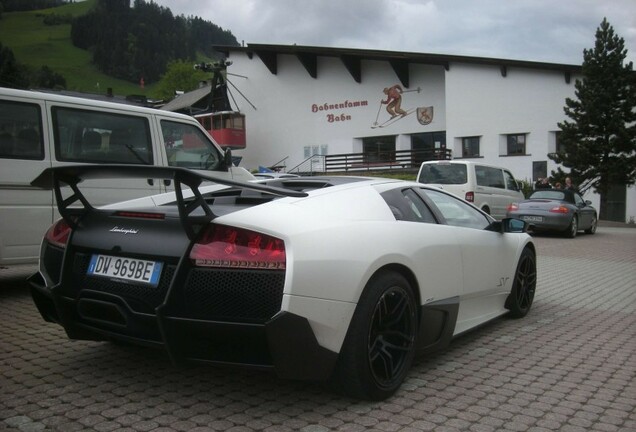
[(341, 278)]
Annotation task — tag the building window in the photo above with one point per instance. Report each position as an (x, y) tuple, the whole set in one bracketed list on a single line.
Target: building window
[(516, 144), (558, 144), (311, 151), (428, 146), (379, 149), (470, 147), (539, 170)]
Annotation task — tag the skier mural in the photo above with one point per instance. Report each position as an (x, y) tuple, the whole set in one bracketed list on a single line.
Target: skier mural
[(394, 108)]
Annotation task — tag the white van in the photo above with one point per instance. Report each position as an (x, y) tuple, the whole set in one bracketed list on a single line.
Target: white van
[(40, 130), (490, 188)]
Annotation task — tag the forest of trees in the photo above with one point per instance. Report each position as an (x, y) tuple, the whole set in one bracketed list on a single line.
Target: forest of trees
[(138, 42), (127, 41)]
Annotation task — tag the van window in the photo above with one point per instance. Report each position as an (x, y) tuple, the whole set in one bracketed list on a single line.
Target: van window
[(443, 174), (511, 183), (20, 131), (100, 137), (187, 146), (490, 177)]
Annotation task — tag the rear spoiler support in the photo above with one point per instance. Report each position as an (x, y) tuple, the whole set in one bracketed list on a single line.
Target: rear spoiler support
[(56, 178)]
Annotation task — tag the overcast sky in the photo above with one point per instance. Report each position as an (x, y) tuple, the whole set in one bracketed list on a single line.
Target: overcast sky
[(554, 31)]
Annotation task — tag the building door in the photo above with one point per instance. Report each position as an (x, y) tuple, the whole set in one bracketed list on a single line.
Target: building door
[(379, 149), (613, 206), (426, 146)]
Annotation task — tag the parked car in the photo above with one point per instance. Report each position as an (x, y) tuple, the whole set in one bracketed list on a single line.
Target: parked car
[(490, 188), (341, 278), (559, 210)]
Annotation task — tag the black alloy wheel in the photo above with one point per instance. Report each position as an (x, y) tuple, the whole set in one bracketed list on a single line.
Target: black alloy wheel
[(391, 335), (380, 344), (523, 288)]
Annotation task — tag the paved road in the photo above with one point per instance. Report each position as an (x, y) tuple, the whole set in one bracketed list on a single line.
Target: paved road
[(570, 365)]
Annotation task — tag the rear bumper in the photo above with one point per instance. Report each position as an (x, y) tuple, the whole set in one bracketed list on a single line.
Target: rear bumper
[(284, 344), (548, 222)]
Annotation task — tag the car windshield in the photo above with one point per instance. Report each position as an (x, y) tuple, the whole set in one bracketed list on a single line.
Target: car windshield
[(443, 174), (548, 194)]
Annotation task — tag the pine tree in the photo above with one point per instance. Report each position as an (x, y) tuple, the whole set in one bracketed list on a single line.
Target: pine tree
[(598, 145)]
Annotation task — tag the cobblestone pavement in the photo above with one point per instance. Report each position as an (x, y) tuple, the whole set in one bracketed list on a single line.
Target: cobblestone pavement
[(570, 365)]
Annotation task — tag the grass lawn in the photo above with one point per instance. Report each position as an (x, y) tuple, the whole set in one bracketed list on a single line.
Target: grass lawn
[(36, 44)]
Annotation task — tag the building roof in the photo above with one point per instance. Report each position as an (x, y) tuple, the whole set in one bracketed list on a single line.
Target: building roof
[(399, 61)]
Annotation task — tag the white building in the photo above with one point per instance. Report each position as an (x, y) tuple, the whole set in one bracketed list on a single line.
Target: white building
[(326, 101)]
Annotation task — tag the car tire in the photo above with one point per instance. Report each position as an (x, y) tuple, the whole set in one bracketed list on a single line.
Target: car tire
[(380, 343), (521, 295), (573, 228), (592, 228)]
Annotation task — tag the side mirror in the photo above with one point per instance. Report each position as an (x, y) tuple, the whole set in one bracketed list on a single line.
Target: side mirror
[(227, 158), (514, 225), (509, 225)]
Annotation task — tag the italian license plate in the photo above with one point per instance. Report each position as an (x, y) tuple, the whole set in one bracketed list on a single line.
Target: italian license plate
[(533, 218), (131, 269)]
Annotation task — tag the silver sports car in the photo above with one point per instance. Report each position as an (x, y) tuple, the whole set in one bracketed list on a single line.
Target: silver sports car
[(341, 278), (559, 210)]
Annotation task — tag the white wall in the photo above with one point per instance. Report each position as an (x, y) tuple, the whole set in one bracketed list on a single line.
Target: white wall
[(481, 102), (291, 110), (468, 100)]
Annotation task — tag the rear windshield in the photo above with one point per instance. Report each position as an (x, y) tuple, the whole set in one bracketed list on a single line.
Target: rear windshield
[(549, 194), (443, 174)]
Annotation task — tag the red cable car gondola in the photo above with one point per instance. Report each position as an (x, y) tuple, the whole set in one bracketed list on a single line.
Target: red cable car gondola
[(226, 127), (223, 123)]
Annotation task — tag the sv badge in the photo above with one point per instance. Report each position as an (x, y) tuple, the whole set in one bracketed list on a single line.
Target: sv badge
[(503, 281)]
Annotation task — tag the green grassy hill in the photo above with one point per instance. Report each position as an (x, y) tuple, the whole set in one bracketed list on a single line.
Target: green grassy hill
[(36, 44)]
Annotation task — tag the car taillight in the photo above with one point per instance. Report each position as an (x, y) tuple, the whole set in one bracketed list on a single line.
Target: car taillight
[(560, 209), (58, 234), (513, 207), (223, 246), (470, 196)]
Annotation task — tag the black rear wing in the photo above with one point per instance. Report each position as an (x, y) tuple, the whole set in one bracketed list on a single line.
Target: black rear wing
[(58, 177)]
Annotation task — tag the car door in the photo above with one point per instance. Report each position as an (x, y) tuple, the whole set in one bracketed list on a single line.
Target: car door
[(487, 266), (25, 211), (586, 212)]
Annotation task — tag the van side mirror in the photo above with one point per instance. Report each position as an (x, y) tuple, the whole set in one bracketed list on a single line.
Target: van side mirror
[(227, 158)]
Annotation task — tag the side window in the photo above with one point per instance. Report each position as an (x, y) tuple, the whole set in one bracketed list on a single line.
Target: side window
[(457, 212), (187, 146), (490, 177), (418, 207), (578, 200), (408, 206), (20, 131), (511, 183), (101, 137)]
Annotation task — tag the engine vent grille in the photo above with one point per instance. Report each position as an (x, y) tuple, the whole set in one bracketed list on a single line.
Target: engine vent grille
[(233, 295)]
